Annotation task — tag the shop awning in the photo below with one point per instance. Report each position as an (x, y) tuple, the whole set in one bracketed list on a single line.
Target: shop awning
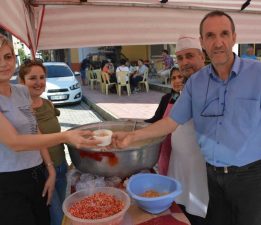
[(61, 24)]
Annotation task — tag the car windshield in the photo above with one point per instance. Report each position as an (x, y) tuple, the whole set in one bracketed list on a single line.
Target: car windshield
[(58, 71)]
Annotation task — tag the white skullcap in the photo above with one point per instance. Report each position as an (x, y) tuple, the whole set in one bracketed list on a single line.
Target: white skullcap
[(186, 42)]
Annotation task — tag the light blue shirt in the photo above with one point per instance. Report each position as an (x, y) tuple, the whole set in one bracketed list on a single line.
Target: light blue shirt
[(248, 57), (233, 137), (142, 70)]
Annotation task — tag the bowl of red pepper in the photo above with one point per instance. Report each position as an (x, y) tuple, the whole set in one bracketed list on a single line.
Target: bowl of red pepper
[(97, 206)]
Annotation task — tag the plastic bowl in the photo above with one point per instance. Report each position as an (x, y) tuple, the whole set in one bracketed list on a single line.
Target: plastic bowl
[(103, 135), (115, 219), (140, 183)]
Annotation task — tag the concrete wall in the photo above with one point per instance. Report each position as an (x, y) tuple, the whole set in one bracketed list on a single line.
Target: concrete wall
[(135, 52), (75, 63)]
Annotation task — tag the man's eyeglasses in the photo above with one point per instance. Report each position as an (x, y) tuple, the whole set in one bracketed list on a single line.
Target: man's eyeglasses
[(214, 107), (209, 111)]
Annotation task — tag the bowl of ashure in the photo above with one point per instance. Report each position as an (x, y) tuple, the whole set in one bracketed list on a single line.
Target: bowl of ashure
[(98, 206), (103, 135), (153, 193), (116, 162)]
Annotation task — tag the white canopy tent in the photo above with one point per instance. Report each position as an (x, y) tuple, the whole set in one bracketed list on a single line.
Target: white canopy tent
[(53, 24)]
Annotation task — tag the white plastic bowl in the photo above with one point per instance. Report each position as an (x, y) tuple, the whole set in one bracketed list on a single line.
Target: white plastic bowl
[(115, 219), (103, 135)]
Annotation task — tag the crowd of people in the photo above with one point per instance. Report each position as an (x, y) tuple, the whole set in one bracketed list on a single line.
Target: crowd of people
[(135, 70), (212, 131), (134, 74)]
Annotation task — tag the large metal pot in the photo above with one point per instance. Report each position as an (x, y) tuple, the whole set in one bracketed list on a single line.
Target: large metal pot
[(116, 162)]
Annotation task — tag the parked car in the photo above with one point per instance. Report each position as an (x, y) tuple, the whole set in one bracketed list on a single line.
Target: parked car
[(61, 85)]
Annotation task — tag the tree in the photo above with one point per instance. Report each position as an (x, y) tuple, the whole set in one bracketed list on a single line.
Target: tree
[(22, 54)]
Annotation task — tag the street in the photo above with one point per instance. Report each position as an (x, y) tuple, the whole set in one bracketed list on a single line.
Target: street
[(75, 115)]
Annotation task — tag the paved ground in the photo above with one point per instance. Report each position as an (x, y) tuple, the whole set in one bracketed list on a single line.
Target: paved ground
[(75, 115), (138, 106)]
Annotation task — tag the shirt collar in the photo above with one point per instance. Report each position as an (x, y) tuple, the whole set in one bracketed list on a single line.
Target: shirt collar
[(234, 70)]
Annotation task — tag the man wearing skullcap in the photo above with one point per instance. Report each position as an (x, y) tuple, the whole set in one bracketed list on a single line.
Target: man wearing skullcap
[(186, 162)]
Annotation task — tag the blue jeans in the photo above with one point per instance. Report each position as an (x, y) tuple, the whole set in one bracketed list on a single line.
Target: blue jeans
[(56, 211)]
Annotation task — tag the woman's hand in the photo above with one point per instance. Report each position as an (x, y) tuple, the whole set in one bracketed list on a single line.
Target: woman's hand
[(49, 184), (81, 138)]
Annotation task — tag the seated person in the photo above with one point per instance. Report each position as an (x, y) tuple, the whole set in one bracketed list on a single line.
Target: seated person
[(123, 66), (132, 68), (137, 76), (108, 68)]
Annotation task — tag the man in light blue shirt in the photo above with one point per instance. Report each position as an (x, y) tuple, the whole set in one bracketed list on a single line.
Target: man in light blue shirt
[(226, 113), (224, 100)]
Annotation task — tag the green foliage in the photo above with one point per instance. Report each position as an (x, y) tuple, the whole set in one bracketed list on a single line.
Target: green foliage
[(22, 54)]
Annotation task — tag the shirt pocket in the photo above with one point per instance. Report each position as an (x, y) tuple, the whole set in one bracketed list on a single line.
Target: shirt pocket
[(246, 114)]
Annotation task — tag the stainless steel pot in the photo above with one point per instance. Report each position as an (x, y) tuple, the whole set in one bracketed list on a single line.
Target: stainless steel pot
[(116, 162)]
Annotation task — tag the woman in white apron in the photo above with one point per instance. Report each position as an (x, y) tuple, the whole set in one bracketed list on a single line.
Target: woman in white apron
[(162, 111)]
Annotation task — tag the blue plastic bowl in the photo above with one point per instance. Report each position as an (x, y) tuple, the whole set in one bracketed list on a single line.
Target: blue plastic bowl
[(140, 183)]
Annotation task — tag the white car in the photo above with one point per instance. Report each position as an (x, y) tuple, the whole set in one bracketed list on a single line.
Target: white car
[(61, 85)]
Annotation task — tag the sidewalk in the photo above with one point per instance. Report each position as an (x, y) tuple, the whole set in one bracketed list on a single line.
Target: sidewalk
[(138, 106)]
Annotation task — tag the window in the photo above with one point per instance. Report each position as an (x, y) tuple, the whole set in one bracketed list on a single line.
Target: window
[(58, 71), (155, 50)]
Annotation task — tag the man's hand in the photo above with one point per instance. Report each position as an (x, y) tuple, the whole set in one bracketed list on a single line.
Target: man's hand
[(122, 139)]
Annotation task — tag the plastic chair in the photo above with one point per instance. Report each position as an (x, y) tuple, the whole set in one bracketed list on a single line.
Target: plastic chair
[(123, 80), (91, 78), (106, 82), (145, 80), (99, 80)]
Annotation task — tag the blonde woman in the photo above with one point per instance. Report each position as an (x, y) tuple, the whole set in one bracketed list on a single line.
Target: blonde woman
[(24, 191)]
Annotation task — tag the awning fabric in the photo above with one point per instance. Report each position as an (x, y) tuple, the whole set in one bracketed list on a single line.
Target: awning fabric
[(60, 24)]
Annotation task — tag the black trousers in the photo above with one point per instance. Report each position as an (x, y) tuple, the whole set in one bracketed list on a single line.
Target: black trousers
[(21, 201), (194, 220), (235, 195), (135, 80)]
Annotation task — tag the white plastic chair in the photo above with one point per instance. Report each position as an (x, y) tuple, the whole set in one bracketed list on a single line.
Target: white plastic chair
[(106, 82), (123, 80), (145, 80), (99, 80), (91, 78)]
